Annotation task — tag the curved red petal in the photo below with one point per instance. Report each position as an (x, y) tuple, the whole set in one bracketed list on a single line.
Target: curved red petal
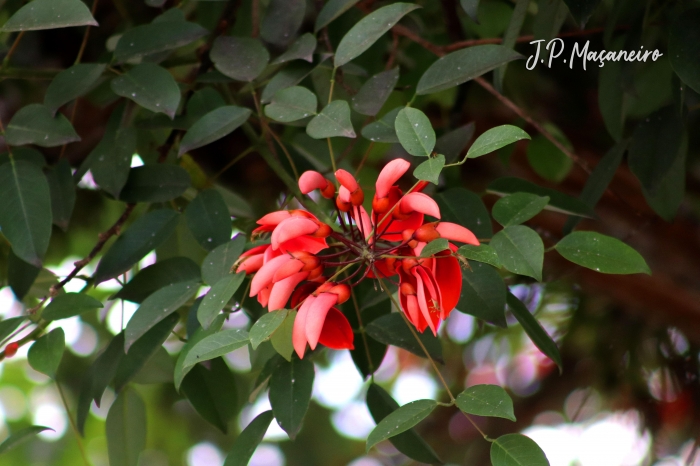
[(454, 232), (287, 270), (346, 180), (304, 243), (397, 227), (337, 332), (264, 276), (283, 289), (310, 180), (292, 228), (251, 264), (274, 218), (390, 174), (448, 276), (419, 202), (317, 316), (299, 330)]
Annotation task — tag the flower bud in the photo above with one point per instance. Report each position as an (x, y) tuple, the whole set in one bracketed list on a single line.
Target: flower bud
[(11, 349)]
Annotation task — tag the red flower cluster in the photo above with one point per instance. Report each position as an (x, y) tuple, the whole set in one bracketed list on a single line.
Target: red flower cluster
[(381, 245)]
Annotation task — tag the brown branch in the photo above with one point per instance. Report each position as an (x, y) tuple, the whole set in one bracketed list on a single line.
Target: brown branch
[(87, 33), (6, 60), (255, 19), (393, 52)]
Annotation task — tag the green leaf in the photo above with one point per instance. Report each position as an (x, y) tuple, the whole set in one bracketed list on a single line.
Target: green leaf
[(391, 329), (282, 20), (534, 330), (180, 369), (35, 124), (150, 86), (213, 126), (521, 250), (110, 169), (126, 429), (463, 65), (384, 129), (155, 183), (21, 436), (453, 143), (25, 219), (302, 49), (430, 169), (400, 421), (334, 120), (330, 11), (212, 391), (217, 297), (611, 99), (601, 253), (558, 202), (486, 400), (45, 354), (517, 208), (463, 207), (20, 276), (8, 326), (218, 263), (684, 47), (69, 305), (246, 443), (481, 253), (157, 276), (471, 8), (381, 405), (548, 160), (670, 190), (282, 338), (142, 350), (435, 246), (368, 30), (62, 190), (27, 154), (483, 294), (159, 36), (239, 58), (49, 14), (292, 104), (549, 19), (494, 139), (373, 93), (157, 369), (155, 308), (415, 132), (143, 236), (216, 345), (510, 37), (290, 393), (266, 325), (517, 449), (208, 219), (289, 76), (581, 10), (72, 83)]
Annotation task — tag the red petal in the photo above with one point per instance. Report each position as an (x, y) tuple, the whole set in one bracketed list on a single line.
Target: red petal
[(287, 270), (310, 180), (389, 175), (282, 290), (346, 180), (299, 329), (336, 333), (455, 232), (419, 202), (397, 227), (304, 243), (448, 276), (274, 218), (292, 228), (317, 316), (264, 276)]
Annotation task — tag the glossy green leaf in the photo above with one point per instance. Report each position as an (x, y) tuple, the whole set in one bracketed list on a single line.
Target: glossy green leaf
[(521, 250), (8, 326), (415, 132), (463, 207), (330, 11), (334, 120), (239, 58), (150, 86), (290, 392), (20, 436), (142, 350), (218, 263), (20, 276), (483, 294), (217, 297), (282, 338), (72, 83), (471, 8), (534, 330), (159, 36), (28, 154), (111, 166), (180, 369), (302, 49), (510, 37), (46, 353), (266, 325), (282, 20), (482, 253), (463, 65), (494, 139), (49, 14), (381, 405), (155, 308), (155, 183), (558, 201), (246, 443), (373, 93), (486, 400), (391, 329), (69, 305), (430, 169), (684, 48), (25, 219), (157, 369), (548, 160), (435, 246), (400, 421), (549, 19), (384, 129), (216, 345), (668, 195), (601, 253), (213, 126), (517, 450), (126, 429), (582, 10), (157, 276), (518, 208), (62, 190), (368, 30), (292, 104), (35, 124), (212, 390), (289, 76), (143, 236), (453, 143), (208, 219)]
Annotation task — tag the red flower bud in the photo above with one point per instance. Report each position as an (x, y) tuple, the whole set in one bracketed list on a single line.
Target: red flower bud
[(11, 349)]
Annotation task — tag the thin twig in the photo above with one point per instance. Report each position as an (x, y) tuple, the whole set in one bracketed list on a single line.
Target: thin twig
[(6, 60), (87, 33), (73, 426), (255, 18)]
